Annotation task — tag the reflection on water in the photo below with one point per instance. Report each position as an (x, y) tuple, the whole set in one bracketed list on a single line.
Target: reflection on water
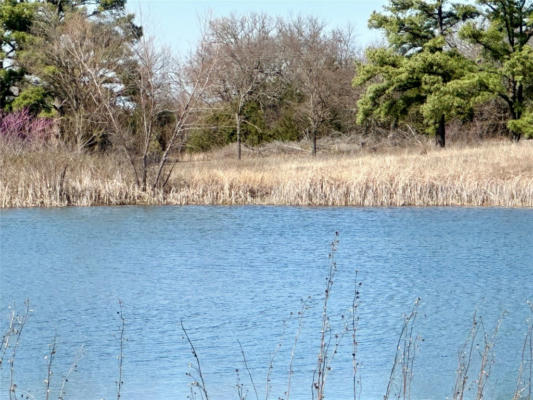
[(235, 274)]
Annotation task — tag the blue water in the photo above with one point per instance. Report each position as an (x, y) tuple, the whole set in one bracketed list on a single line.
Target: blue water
[(235, 274)]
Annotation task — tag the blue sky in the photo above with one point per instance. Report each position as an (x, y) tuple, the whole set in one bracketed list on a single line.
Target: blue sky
[(175, 23)]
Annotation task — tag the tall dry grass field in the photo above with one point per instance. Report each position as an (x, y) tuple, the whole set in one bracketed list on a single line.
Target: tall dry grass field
[(496, 174)]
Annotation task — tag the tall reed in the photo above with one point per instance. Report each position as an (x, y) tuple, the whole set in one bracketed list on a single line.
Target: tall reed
[(489, 175)]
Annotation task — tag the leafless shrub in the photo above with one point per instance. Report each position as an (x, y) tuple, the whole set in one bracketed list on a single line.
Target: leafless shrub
[(329, 340), (71, 370), (120, 381), (485, 349), (50, 357), (486, 354), (245, 362), (524, 385), (7, 335), (268, 381), (16, 326), (197, 375), (239, 387), (401, 375), (9, 345), (304, 307), (465, 359), (354, 333)]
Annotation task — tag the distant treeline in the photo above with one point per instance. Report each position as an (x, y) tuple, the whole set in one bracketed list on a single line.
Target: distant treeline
[(82, 74)]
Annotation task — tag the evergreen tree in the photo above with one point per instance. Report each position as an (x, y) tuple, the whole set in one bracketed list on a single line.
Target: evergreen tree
[(17, 37), (505, 67), (419, 62), (86, 64), (16, 19)]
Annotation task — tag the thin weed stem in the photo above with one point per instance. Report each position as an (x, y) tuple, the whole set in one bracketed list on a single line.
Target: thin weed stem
[(120, 381), (525, 371), (354, 327), (248, 370), (323, 359), (199, 383), (293, 349), (404, 357), (73, 367), (51, 355)]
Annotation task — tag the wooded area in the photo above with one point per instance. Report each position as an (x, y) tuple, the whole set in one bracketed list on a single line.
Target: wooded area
[(81, 75)]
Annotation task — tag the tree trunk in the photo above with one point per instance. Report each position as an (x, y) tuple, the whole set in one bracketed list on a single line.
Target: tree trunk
[(314, 142), (238, 124), (145, 171), (440, 134), (516, 111)]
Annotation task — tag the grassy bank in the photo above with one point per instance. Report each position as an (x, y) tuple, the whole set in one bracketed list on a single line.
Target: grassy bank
[(491, 174)]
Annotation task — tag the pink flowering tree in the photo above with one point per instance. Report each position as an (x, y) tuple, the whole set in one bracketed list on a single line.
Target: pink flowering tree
[(24, 127)]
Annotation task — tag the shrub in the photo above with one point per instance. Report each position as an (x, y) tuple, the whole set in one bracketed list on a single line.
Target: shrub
[(23, 126)]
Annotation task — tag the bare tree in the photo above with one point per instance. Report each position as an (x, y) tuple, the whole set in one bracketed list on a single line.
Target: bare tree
[(320, 64), (127, 90), (246, 52), (189, 86), (164, 96), (81, 61), (151, 90), (296, 67)]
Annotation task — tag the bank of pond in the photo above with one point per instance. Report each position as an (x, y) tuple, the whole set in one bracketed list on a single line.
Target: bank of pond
[(487, 175)]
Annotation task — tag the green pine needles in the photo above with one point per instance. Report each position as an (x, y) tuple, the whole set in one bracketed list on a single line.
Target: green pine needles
[(445, 59)]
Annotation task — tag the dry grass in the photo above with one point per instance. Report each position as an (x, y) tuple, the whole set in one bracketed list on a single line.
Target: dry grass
[(491, 174)]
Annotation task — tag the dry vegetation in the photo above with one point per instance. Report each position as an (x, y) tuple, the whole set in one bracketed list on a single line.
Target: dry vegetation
[(496, 174)]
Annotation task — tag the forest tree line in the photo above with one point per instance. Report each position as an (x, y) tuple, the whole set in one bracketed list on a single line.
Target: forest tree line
[(83, 74)]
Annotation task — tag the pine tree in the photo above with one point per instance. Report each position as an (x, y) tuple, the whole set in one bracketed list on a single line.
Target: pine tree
[(17, 37), (505, 69), (419, 62), (16, 19)]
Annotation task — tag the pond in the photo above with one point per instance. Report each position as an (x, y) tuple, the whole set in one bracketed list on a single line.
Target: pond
[(237, 276)]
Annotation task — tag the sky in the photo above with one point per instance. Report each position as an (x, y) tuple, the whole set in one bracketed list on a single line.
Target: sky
[(176, 23)]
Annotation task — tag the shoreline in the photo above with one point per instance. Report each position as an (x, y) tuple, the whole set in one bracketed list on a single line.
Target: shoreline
[(257, 205), (487, 175)]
